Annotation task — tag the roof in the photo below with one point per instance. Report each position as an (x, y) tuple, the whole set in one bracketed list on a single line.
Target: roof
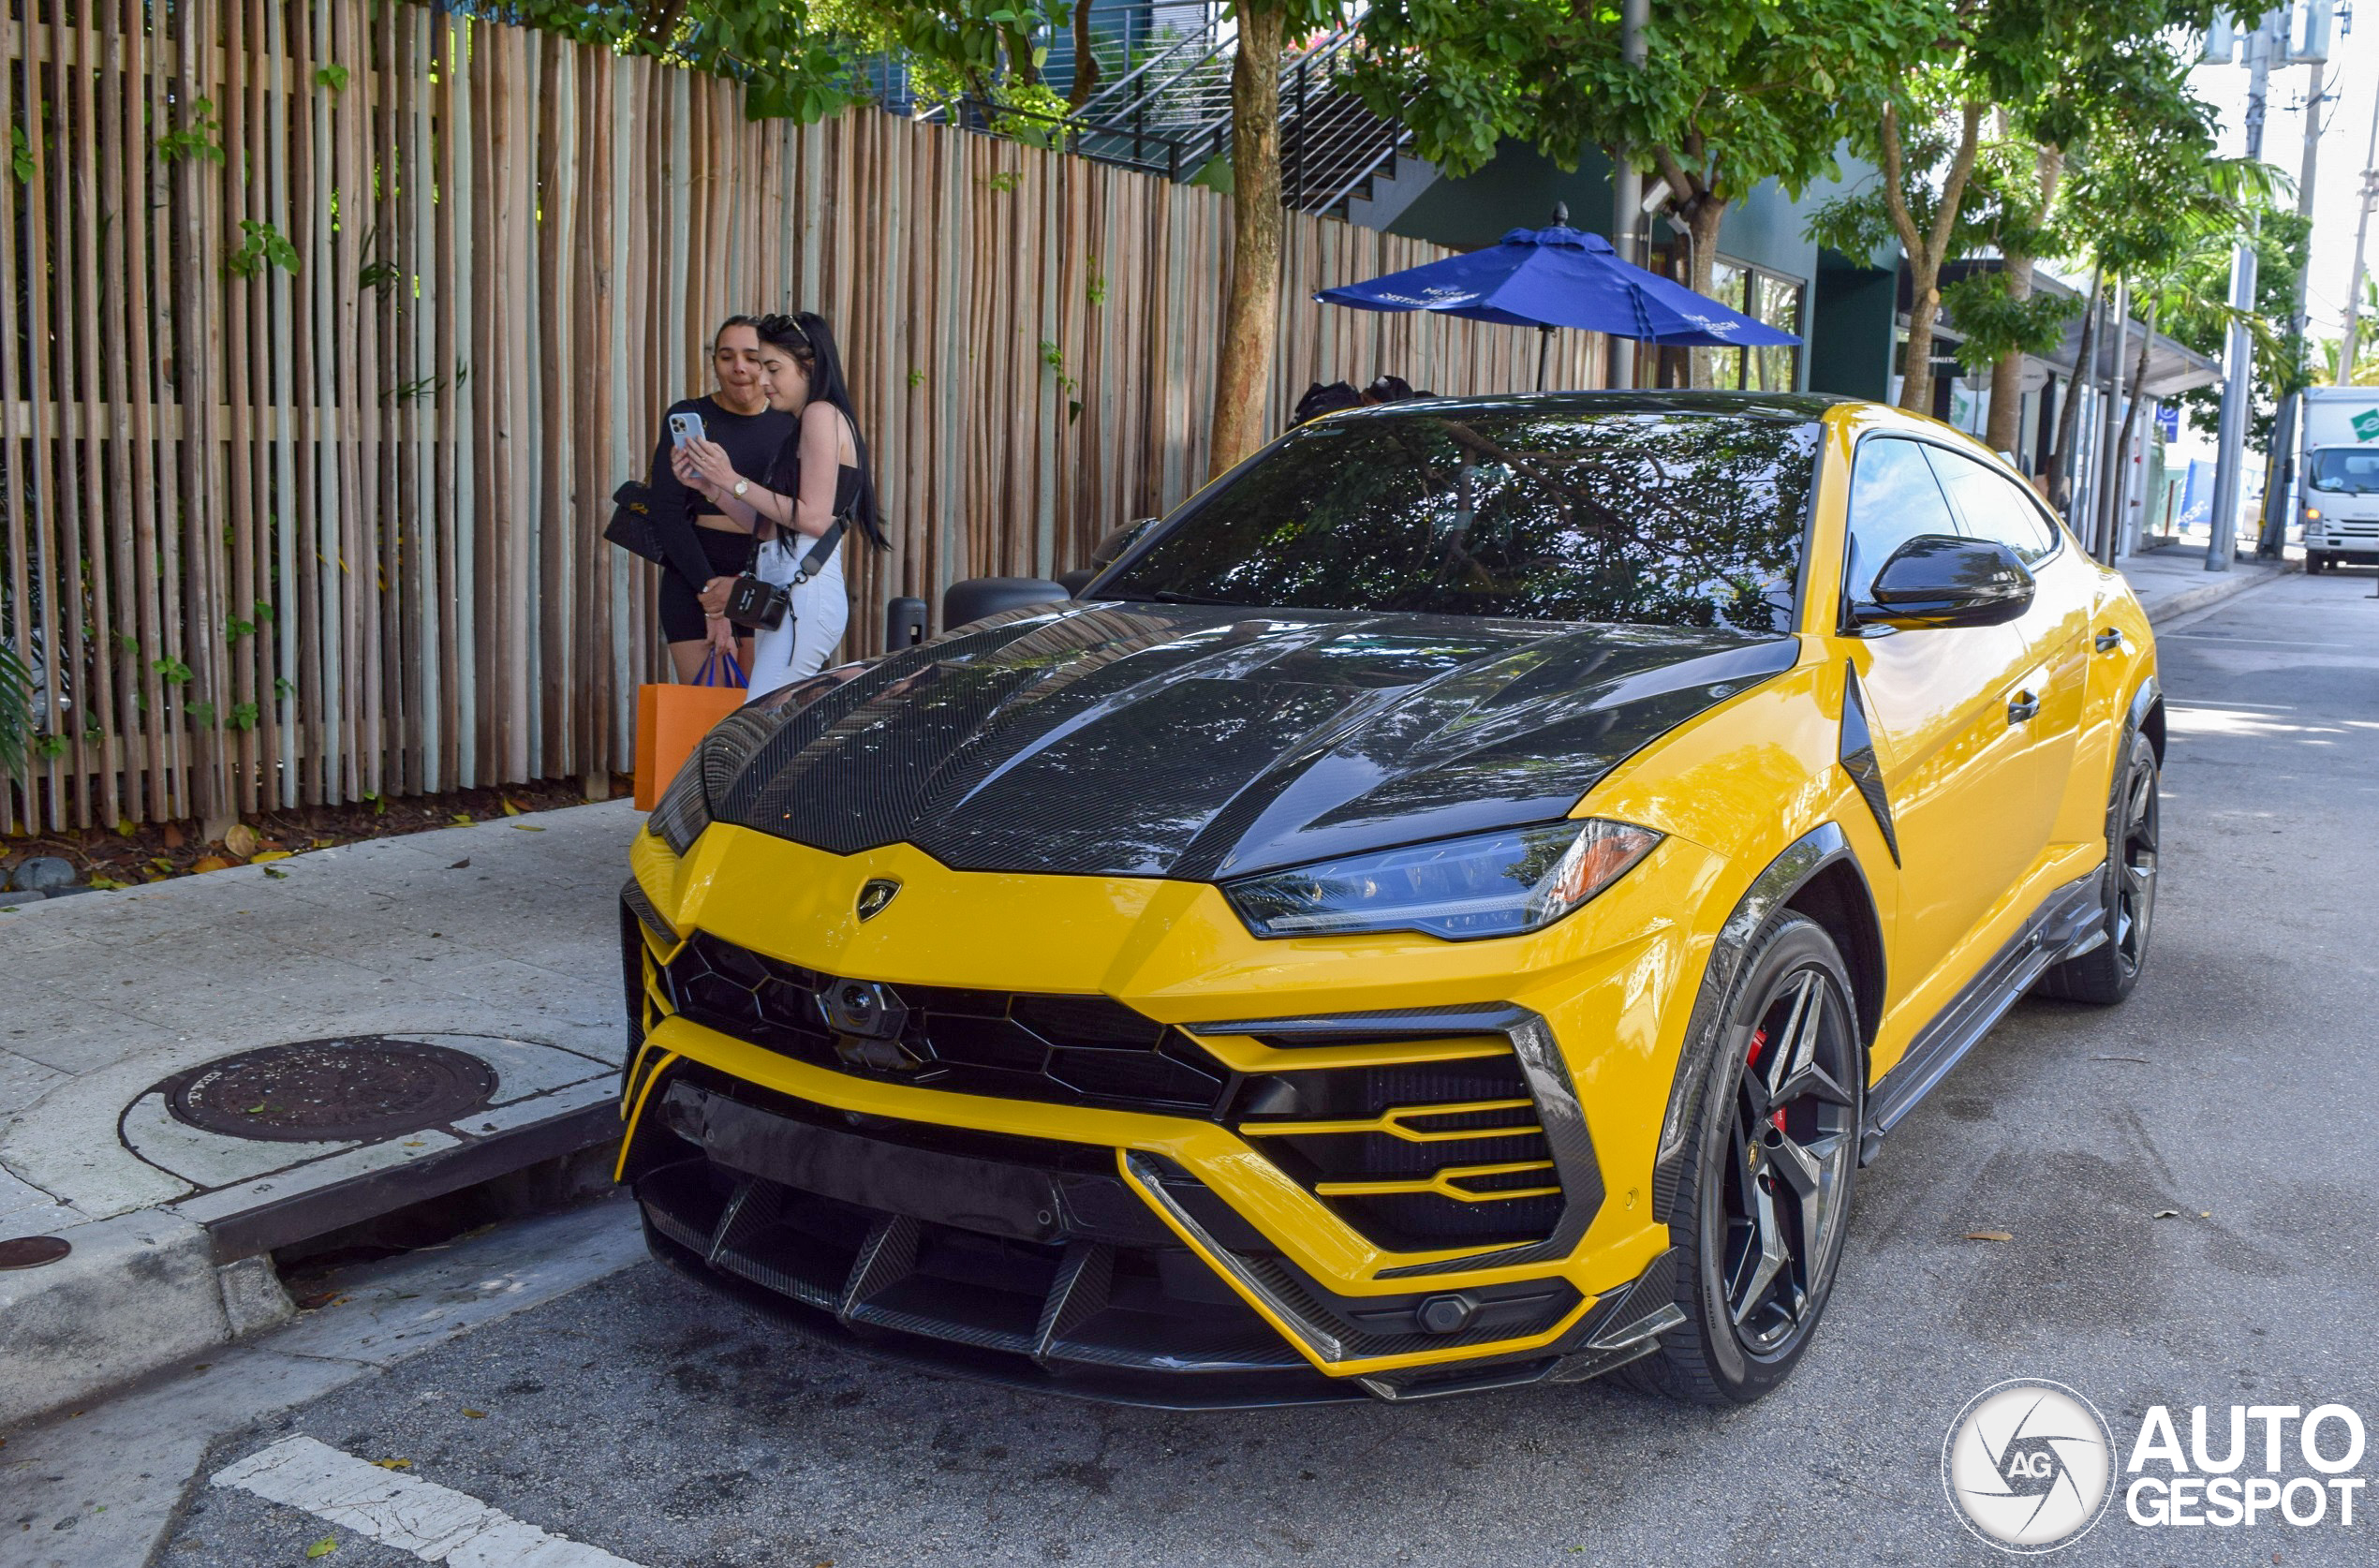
[(1797, 406)]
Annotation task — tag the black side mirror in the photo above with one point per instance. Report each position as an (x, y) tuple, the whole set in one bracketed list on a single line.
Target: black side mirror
[(1936, 580), (971, 598)]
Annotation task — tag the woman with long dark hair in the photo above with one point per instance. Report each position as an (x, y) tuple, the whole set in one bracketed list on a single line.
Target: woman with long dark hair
[(817, 484), (707, 548)]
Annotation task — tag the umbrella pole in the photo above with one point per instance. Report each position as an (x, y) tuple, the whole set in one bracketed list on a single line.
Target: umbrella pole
[(1543, 351)]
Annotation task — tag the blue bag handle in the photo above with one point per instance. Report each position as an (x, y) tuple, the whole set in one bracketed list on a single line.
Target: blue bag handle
[(712, 674)]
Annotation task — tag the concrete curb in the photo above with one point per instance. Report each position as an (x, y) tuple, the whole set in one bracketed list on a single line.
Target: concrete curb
[(2238, 579)]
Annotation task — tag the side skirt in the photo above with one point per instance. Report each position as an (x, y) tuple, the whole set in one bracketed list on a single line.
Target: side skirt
[(2060, 929)]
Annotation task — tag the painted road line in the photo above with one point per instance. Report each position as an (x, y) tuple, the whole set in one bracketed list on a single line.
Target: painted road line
[(434, 1523)]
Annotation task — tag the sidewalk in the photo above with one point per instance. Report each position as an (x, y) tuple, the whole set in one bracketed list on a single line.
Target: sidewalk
[(2173, 581), (483, 958)]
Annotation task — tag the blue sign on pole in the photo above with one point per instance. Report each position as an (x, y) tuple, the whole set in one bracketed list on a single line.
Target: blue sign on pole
[(2168, 420)]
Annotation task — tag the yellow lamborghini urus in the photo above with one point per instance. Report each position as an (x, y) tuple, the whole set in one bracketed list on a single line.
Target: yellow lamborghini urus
[(1454, 905)]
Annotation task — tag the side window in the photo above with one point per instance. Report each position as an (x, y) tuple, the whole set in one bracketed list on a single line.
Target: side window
[(1894, 498), (1993, 505)]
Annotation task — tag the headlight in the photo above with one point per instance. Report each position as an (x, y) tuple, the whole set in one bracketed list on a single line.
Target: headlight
[(2312, 514), (684, 807), (1497, 884)]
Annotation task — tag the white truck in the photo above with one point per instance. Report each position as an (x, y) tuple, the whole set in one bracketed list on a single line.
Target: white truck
[(2339, 505)]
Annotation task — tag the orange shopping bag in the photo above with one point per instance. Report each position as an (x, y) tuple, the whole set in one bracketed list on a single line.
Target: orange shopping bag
[(671, 720)]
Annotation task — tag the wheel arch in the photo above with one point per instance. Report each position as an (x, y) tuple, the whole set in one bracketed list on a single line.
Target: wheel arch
[(1821, 867), (1837, 896)]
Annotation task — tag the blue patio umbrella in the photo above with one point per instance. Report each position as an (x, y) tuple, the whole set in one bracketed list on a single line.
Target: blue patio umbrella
[(1560, 277)]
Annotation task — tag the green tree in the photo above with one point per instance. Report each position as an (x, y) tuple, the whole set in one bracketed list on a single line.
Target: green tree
[(2031, 66), (1728, 94)]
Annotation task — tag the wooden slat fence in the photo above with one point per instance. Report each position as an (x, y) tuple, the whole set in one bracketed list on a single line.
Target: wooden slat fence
[(274, 534)]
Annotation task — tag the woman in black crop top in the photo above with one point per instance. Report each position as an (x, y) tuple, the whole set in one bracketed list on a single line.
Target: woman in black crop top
[(817, 479), (705, 545)]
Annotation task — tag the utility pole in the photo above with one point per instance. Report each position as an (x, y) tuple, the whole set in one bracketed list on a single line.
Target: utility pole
[(2110, 427), (2238, 353), (2362, 231), (2280, 462), (1627, 184)]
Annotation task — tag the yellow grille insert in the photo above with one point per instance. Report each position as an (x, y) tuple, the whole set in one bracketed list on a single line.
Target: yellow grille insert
[(1397, 1123), (1444, 1184)]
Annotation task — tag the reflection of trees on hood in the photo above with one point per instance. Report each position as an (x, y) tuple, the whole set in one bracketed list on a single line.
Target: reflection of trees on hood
[(1669, 517)]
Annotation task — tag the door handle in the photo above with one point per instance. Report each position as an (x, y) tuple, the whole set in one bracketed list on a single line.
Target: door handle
[(2110, 639), (2021, 706)]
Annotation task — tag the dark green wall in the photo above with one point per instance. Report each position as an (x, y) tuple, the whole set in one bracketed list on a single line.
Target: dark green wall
[(1851, 327)]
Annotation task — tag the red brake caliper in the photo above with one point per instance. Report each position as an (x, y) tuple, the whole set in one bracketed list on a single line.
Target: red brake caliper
[(1759, 1043)]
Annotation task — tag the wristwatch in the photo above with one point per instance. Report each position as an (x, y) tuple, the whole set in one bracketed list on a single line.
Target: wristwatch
[(741, 485)]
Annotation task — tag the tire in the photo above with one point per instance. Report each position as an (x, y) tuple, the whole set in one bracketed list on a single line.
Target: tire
[(1760, 1221), (2314, 562), (2105, 974)]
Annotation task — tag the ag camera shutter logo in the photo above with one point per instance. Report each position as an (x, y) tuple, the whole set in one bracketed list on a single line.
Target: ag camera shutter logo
[(2028, 1466)]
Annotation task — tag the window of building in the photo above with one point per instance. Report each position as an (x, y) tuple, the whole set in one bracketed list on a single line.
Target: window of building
[(1763, 296)]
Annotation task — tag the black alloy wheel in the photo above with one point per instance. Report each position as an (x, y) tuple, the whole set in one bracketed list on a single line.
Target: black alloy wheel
[(2105, 974), (1791, 1144), (1766, 1206)]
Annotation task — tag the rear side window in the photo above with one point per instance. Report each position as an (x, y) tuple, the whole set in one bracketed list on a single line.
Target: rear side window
[(1993, 505), (1894, 498)]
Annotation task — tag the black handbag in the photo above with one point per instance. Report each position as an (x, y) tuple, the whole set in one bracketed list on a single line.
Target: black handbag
[(760, 605), (631, 526)]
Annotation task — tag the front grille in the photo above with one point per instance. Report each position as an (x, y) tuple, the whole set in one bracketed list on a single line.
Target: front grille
[(1419, 1158), (1071, 1050)]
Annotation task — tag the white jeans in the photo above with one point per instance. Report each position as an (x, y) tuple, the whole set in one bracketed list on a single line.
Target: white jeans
[(813, 626)]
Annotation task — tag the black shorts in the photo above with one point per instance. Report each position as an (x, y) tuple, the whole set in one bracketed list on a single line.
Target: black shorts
[(682, 619)]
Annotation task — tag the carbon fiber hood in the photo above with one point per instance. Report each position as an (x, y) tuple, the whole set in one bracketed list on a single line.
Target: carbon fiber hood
[(1199, 742)]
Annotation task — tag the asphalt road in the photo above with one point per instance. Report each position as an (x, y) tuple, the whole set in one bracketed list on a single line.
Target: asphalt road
[(2236, 1088)]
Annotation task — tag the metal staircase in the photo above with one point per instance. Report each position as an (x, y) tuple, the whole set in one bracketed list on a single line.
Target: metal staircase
[(1169, 114)]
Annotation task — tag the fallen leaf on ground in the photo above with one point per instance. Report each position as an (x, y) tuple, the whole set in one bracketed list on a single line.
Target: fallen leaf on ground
[(510, 809), (210, 863), (324, 1547), (2205, 1214), (463, 865), (475, 1414), (239, 839), (1989, 1235), (2167, 1214), (526, 827), (393, 1464), (2141, 1061), (277, 876), (261, 857), (172, 837)]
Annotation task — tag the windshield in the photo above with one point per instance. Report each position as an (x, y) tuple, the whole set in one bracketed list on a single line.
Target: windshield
[(1655, 516), (2348, 469)]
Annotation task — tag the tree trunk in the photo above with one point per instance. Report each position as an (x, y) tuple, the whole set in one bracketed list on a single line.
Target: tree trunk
[(1250, 317), (1085, 59), (1926, 250), (1701, 219), (2069, 416), (2003, 432)]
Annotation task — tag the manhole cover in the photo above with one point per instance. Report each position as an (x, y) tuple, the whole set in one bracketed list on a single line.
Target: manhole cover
[(32, 1252), (360, 1087)]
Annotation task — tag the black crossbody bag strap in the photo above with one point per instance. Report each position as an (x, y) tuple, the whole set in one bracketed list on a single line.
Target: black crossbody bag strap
[(819, 553)]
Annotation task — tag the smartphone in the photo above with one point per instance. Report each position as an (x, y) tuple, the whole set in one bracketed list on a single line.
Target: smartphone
[(686, 427)]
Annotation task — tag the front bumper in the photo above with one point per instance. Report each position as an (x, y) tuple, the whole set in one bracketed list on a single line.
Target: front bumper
[(1039, 1264), (1339, 1201)]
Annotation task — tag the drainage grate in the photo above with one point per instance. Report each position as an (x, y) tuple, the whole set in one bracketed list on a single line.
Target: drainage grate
[(357, 1087)]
